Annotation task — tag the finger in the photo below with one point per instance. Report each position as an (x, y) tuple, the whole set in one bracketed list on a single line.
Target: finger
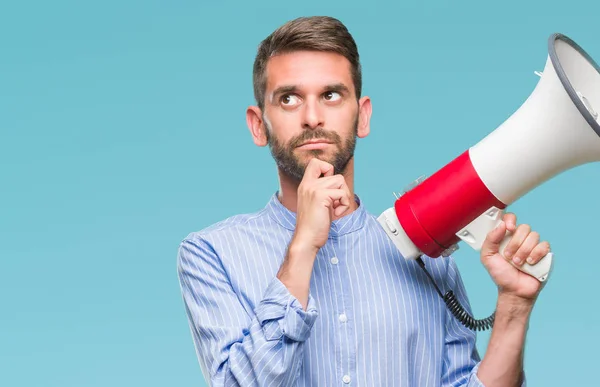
[(340, 210), (316, 168), (331, 195), (335, 181), (492, 241), (526, 247), (538, 252), (511, 221), (516, 240), (346, 201), (330, 169)]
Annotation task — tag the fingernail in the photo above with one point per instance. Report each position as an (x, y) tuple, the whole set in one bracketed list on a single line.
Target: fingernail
[(530, 261), (517, 260), (508, 254)]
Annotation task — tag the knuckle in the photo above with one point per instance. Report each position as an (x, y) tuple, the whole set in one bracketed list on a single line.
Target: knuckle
[(512, 248)]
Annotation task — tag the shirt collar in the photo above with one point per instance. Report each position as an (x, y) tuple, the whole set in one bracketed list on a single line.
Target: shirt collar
[(344, 225)]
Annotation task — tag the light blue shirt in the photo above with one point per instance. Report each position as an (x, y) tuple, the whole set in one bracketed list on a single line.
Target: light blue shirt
[(373, 318)]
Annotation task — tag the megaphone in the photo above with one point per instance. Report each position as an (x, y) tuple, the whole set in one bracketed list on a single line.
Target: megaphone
[(555, 129)]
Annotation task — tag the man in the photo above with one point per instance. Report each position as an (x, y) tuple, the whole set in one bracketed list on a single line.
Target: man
[(310, 291)]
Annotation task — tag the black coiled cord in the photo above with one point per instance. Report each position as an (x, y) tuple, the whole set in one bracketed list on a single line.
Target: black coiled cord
[(464, 317), (457, 309)]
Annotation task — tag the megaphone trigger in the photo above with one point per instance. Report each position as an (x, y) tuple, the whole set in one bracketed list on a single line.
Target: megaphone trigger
[(474, 235)]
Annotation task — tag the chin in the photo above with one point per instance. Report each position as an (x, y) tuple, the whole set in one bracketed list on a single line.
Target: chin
[(323, 156)]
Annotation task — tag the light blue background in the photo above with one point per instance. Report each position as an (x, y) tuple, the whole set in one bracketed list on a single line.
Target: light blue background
[(122, 129)]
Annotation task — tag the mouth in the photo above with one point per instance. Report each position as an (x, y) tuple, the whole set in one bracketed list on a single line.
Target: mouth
[(315, 144)]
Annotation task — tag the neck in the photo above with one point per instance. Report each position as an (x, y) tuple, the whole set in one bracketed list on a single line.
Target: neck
[(288, 189)]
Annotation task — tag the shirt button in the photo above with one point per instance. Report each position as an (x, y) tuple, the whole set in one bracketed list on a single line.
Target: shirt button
[(343, 318), (346, 379), (335, 260)]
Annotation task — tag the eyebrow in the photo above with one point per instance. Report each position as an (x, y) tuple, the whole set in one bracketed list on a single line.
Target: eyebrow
[(285, 89), (338, 87)]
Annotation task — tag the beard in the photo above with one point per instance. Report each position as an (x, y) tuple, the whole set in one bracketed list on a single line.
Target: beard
[(293, 167)]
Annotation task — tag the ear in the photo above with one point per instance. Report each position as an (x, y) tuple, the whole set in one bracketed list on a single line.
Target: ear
[(364, 117), (256, 125)]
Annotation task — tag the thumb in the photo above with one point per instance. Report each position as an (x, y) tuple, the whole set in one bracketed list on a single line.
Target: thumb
[(494, 238)]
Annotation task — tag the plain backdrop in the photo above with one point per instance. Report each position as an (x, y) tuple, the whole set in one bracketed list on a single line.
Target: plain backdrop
[(122, 129)]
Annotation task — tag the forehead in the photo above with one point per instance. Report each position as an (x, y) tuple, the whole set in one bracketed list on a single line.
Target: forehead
[(308, 69)]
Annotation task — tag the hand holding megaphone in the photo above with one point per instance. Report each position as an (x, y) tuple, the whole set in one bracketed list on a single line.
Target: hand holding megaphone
[(477, 231), (512, 244)]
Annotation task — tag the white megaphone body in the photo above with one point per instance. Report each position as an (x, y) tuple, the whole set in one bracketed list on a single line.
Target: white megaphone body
[(555, 129)]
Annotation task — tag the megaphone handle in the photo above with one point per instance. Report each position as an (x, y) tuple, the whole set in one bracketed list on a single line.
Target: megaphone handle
[(475, 233), (540, 270)]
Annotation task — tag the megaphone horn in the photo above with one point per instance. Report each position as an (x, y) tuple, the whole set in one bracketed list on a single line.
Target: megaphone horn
[(555, 129)]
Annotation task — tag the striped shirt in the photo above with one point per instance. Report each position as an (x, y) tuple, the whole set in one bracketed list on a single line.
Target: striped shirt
[(373, 318)]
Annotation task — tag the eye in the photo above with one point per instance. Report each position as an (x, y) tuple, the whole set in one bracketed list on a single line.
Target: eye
[(289, 100), (332, 96)]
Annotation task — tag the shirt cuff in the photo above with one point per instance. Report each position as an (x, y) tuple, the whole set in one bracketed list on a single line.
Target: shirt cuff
[(475, 382), (280, 313)]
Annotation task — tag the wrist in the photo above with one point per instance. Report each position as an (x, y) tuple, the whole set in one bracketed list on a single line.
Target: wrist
[(299, 247), (513, 307), (298, 263)]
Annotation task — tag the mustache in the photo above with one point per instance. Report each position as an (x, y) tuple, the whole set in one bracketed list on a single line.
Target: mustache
[(314, 134)]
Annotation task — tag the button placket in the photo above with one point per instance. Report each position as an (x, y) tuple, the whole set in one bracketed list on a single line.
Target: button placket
[(340, 277)]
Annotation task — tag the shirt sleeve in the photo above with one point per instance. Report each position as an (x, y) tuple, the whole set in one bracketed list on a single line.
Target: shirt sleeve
[(461, 360), (236, 348)]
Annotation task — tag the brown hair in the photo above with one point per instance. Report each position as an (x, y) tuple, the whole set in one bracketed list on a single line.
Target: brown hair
[(316, 33)]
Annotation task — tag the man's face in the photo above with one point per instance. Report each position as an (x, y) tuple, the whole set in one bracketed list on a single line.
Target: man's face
[(310, 111)]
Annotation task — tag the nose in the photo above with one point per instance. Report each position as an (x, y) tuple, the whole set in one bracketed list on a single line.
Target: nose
[(313, 116)]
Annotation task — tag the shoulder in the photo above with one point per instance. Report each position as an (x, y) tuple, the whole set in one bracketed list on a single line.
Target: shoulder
[(225, 228), (203, 247)]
